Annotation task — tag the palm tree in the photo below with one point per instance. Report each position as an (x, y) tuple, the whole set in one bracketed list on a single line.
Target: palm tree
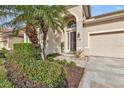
[(43, 17)]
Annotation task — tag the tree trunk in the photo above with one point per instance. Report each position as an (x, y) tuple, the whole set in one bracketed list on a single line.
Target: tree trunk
[(44, 27), (44, 44), (32, 34)]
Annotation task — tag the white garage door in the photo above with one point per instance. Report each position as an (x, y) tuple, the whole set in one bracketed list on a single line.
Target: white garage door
[(107, 44)]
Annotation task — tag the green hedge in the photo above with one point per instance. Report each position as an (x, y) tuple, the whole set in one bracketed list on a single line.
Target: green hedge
[(24, 48)]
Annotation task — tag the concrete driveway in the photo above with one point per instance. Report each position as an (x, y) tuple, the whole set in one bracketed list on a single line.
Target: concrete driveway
[(103, 72)]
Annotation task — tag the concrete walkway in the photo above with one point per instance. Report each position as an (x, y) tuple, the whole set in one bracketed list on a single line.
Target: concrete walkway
[(103, 72)]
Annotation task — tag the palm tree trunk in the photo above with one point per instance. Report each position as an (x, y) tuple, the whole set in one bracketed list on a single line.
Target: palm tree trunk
[(32, 34), (44, 43), (44, 28)]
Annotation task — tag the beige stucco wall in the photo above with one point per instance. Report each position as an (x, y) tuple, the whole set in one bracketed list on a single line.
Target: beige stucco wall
[(76, 11), (53, 42), (3, 41)]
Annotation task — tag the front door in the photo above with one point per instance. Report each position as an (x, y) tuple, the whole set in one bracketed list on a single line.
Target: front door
[(72, 41)]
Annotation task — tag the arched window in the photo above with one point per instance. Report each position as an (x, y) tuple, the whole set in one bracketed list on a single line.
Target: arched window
[(71, 24)]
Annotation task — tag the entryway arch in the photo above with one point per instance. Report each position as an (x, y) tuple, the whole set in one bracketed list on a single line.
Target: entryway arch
[(70, 33)]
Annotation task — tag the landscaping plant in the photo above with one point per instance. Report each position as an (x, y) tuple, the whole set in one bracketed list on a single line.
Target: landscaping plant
[(4, 82), (47, 73), (24, 48), (3, 52)]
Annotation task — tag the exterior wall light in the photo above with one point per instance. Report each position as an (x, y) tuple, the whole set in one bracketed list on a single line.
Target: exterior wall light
[(78, 35)]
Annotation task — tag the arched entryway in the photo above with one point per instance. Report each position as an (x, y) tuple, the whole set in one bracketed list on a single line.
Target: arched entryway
[(70, 33)]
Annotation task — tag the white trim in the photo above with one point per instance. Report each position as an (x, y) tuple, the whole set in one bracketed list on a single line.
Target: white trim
[(88, 41), (25, 38), (67, 48), (28, 40), (111, 30), (7, 43), (73, 13), (68, 42), (79, 20), (103, 31)]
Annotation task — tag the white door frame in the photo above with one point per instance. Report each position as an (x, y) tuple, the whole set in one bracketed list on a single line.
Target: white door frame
[(68, 39)]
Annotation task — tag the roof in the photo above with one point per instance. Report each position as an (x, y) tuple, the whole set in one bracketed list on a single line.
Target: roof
[(5, 30), (8, 33), (102, 19)]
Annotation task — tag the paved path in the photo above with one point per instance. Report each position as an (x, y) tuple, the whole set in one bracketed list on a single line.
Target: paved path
[(102, 72)]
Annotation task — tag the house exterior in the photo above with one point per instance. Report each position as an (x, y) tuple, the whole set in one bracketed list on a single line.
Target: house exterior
[(7, 40), (101, 35), (104, 35)]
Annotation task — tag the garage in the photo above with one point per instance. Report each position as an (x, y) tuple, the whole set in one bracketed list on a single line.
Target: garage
[(110, 44)]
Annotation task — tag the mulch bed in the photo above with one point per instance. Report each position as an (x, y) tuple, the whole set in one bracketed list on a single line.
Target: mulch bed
[(18, 80), (74, 76)]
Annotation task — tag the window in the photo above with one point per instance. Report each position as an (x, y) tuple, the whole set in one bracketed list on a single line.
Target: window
[(71, 24), (104, 9)]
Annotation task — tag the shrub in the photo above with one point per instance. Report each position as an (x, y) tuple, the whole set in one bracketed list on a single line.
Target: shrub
[(24, 48), (1, 62), (71, 64), (47, 73), (78, 54), (53, 55), (62, 46), (64, 63), (50, 58), (4, 82), (2, 55), (3, 52)]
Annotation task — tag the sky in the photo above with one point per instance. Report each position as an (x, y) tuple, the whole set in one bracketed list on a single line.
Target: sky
[(102, 9)]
